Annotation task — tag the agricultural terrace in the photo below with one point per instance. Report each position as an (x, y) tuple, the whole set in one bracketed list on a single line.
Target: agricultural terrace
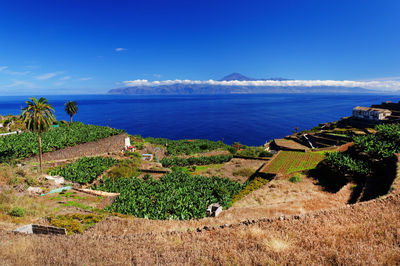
[(84, 170), (23, 145), (287, 162), (177, 195), (188, 147)]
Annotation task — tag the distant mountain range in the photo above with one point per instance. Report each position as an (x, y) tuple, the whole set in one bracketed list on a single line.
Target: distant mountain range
[(188, 89), (240, 77)]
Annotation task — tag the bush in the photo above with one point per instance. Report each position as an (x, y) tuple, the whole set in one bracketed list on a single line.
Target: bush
[(75, 223), (369, 154), (175, 147), (247, 172), (345, 164), (295, 179), (201, 160), (133, 155), (17, 212), (127, 168)]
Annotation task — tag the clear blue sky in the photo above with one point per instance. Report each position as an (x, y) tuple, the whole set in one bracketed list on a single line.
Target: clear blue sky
[(70, 46)]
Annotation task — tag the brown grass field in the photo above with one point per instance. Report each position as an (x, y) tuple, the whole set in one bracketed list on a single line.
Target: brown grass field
[(280, 223), (366, 233)]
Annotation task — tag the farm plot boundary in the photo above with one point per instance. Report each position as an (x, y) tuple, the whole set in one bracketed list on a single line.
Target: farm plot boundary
[(286, 162)]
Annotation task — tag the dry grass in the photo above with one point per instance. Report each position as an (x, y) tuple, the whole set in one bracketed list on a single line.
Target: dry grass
[(362, 234), (234, 169), (366, 233)]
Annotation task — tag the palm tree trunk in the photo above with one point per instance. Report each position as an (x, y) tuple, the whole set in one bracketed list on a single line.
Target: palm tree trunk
[(70, 118), (40, 153)]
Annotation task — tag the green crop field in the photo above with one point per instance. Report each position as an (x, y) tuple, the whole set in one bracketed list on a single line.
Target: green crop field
[(177, 195), (176, 147), (288, 162), (84, 170), (26, 144)]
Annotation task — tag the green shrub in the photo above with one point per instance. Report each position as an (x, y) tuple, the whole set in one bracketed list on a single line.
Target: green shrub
[(247, 172), (133, 155), (295, 179), (201, 160), (175, 147), (127, 168), (17, 212), (75, 223), (345, 164)]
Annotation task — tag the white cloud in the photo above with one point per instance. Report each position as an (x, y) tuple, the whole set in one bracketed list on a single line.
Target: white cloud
[(32, 66), (47, 76), (59, 83), (120, 49), (21, 73), (86, 78), (374, 84), (21, 83), (3, 67), (65, 78)]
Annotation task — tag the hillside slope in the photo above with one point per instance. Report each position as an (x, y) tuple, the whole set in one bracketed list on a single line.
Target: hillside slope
[(365, 233)]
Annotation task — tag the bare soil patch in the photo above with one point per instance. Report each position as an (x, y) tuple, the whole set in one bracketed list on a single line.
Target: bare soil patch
[(230, 169)]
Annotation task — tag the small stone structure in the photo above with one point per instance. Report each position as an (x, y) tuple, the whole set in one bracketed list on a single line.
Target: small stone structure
[(34, 190), (58, 180), (147, 156), (41, 229), (374, 114), (214, 210)]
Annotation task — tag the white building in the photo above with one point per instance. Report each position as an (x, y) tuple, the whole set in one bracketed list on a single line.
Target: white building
[(368, 113)]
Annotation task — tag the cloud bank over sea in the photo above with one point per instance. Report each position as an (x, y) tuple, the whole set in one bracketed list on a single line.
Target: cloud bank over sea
[(384, 85)]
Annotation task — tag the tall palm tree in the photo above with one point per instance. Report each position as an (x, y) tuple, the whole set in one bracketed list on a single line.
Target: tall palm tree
[(71, 107), (38, 117)]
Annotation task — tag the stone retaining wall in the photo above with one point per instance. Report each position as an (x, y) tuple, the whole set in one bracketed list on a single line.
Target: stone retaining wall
[(99, 147)]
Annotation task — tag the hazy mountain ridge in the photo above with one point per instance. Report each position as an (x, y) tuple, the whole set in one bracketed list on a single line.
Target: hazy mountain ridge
[(188, 89)]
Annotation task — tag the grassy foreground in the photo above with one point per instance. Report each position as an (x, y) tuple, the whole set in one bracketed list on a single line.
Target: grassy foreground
[(350, 236)]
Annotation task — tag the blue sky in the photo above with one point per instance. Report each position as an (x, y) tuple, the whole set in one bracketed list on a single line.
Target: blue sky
[(59, 47)]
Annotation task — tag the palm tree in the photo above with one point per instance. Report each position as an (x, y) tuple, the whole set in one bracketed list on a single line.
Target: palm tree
[(38, 117), (71, 108)]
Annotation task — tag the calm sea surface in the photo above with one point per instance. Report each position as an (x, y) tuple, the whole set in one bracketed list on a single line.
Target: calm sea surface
[(250, 119)]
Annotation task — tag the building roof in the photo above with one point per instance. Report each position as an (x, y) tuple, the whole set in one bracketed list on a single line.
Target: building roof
[(380, 110)]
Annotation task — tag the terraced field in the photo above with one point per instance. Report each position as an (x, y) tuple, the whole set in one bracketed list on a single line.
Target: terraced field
[(287, 162)]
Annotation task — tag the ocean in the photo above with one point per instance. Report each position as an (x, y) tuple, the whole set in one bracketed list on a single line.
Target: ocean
[(249, 119)]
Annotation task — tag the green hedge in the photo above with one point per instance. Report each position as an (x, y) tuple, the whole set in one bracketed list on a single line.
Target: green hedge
[(201, 160), (175, 147)]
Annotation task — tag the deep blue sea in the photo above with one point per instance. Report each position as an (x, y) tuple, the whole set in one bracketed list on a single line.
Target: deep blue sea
[(250, 119)]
